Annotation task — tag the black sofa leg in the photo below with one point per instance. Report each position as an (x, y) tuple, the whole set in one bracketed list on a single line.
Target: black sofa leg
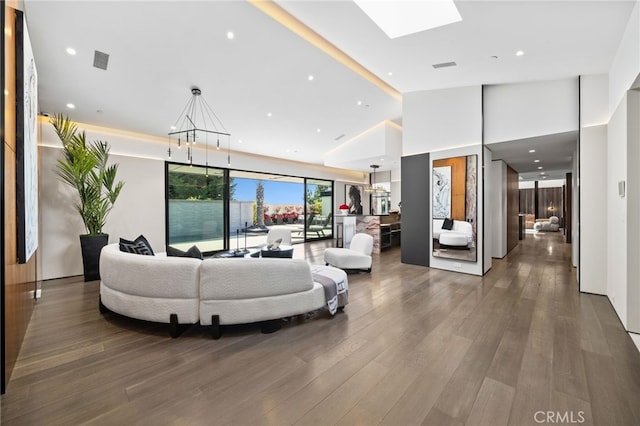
[(103, 309), (173, 326), (268, 327), (216, 331)]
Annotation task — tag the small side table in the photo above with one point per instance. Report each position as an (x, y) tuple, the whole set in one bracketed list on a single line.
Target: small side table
[(284, 252)]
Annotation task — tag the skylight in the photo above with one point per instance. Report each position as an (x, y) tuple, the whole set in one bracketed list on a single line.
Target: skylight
[(404, 17)]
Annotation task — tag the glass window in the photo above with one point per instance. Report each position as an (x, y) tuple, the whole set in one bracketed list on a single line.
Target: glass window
[(195, 207)]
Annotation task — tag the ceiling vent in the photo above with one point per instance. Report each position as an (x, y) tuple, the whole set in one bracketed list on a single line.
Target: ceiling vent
[(100, 60), (444, 65)]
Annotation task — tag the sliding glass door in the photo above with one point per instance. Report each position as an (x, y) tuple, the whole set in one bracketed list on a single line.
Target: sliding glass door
[(319, 203), (262, 201), (220, 209), (195, 207)]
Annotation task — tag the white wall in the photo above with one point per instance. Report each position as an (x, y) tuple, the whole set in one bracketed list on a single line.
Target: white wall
[(499, 209), (616, 211), (636, 340), (594, 100), (551, 183), (138, 210), (593, 210), (575, 210), (590, 185), (523, 110), (396, 188), (633, 211), (441, 119), (383, 140), (626, 63)]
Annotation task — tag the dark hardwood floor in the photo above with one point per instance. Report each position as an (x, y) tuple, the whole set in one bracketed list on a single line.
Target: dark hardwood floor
[(414, 346)]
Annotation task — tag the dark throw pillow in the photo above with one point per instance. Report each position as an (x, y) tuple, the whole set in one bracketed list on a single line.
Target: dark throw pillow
[(192, 252), (138, 246), (447, 224)]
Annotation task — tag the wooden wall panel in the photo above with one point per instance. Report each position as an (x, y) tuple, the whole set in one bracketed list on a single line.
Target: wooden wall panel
[(19, 279), (458, 185), (513, 207), (550, 202), (527, 201)]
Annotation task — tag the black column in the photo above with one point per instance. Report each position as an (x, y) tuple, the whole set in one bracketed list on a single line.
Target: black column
[(416, 223)]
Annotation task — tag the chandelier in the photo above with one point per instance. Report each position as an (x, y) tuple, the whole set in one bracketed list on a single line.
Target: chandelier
[(198, 123), (372, 187)]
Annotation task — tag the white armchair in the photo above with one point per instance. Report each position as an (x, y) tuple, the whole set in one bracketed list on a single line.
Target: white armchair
[(357, 256), (275, 233)]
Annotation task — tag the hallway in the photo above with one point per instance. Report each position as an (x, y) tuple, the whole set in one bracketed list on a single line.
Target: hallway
[(414, 346)]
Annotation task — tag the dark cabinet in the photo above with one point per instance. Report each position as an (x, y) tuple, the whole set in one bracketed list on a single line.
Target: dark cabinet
[(389, 235)]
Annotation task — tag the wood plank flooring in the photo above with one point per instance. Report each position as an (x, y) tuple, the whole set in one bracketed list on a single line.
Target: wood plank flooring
[(414, 346)]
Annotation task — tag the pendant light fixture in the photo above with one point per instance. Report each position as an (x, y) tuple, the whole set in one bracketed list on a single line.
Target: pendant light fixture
[(197, 123), (372, 187)]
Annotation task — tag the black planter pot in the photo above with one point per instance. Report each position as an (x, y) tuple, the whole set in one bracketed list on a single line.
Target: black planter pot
[(91, 246)]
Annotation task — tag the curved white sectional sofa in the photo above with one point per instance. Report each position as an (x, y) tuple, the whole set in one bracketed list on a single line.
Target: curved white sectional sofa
[(182, 290), (150, 288)]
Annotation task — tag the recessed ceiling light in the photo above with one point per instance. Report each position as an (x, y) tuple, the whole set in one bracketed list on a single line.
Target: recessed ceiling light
[(536, 161), (389, 73), (288, 150), (71, 51), (310, 78), (532, 150), (541, 173), (172, 127), (382, 159), (269, 114), (318, 130), (71, 106), (519, 53), (539, 167), (230, 35), (239, 140), (544, 177), (359, 103)]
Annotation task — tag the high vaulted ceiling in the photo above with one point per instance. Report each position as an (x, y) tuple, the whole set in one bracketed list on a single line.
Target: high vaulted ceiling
[(159, 50)]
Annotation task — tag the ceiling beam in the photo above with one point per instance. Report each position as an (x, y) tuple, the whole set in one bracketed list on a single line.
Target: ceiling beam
[(276, 12)]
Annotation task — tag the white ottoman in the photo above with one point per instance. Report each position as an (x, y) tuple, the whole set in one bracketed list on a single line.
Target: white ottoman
[(453, 239)]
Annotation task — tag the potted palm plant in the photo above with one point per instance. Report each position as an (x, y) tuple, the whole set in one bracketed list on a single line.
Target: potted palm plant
[(84, 167)]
